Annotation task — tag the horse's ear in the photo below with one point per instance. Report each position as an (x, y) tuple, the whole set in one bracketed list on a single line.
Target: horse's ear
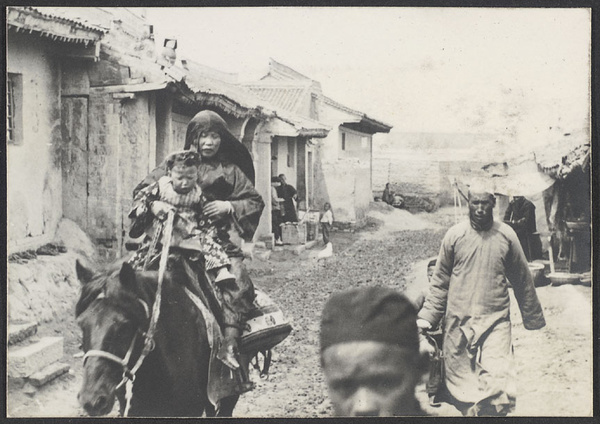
[(127, 277), (84, 274)]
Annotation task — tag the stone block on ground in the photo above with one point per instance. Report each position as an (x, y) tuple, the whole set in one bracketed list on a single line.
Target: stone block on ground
[(24, 361), (19, 332), (48, 373)]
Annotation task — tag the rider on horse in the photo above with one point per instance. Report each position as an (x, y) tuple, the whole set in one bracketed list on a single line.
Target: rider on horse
[(193, 231), (225, 179)]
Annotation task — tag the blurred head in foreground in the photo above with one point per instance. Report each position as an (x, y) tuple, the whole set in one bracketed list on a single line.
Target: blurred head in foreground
[(370, 352)]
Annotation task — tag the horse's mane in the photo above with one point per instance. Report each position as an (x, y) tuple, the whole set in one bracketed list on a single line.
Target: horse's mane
[(91, 289), (103, 281)]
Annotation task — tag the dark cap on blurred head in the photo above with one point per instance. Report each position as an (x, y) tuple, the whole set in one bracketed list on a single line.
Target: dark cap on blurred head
[(377, 314)]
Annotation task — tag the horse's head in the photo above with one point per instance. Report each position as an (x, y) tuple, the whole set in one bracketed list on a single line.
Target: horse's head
[(112, 312)]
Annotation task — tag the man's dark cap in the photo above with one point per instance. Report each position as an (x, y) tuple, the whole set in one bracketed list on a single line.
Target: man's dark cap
[(377, 314)]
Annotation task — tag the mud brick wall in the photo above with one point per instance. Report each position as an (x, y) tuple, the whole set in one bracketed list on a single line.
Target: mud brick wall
[(120, 134), (138, 132), (407, 175), (424, 174), (103, 168)]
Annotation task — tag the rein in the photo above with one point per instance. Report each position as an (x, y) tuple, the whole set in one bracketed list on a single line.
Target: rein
[(129, 374)]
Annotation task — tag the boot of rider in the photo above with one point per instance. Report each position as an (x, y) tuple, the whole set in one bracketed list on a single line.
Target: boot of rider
[(231, 336), (242, 377)]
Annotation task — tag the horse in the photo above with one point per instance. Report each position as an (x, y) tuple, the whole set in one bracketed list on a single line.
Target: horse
[(114, 312)]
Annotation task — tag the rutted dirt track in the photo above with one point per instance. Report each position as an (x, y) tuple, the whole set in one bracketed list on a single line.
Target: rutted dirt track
[(554, 365)]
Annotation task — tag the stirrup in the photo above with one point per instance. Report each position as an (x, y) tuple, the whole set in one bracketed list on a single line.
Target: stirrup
[(264, 371)]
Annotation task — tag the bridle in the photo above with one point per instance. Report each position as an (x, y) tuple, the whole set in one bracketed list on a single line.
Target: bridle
[(149, 344), (128, 374)]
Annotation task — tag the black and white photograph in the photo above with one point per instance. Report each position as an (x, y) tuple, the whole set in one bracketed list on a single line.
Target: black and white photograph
[(299, 212)]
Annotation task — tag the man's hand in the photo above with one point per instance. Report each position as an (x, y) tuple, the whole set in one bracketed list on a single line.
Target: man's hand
[(160, 209), (423, 325), (424, 346), (218, 208)]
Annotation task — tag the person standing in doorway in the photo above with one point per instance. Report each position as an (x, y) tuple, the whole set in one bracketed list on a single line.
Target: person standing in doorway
[(276, 205), (470, 291), (326, 222), (289, 195)]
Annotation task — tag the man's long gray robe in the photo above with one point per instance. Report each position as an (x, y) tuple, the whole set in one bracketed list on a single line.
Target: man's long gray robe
[(469, 288)]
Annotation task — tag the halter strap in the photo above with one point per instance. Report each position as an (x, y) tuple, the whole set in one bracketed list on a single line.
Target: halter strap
[(127, 374), (105, 355)]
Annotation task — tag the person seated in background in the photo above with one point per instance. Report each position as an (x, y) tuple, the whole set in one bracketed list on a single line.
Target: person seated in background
[(370, 353), (388, 194)]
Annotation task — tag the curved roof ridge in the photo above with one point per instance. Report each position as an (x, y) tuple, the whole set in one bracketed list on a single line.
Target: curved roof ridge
[(78, 23)]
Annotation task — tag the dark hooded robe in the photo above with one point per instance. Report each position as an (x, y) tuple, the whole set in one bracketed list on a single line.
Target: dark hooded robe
[(228, 176)]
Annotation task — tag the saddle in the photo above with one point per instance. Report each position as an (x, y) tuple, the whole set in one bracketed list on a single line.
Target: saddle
[(265, 326)]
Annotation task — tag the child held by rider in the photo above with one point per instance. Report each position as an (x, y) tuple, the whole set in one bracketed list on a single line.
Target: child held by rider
[(179, 191)]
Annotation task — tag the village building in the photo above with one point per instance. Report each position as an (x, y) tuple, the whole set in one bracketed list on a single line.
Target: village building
[(339, 166), (96, 105), (41, 48)]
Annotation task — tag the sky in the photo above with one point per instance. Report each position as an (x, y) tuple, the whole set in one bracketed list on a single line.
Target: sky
[(514, 72)]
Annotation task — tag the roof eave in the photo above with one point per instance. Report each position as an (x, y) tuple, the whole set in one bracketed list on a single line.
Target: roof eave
[(313, 133), (30, 21), (367, 126), (228, 105)]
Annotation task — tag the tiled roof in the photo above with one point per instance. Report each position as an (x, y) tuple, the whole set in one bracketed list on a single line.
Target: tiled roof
[(289, 98), (240, 101), (29, 19), (279, 71), (290, 90)]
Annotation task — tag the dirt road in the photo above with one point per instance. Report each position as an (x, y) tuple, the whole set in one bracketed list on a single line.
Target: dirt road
[(554, 365)]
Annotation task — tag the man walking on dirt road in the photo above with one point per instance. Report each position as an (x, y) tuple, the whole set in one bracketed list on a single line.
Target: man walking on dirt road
[(469, 288), (370, 353)]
